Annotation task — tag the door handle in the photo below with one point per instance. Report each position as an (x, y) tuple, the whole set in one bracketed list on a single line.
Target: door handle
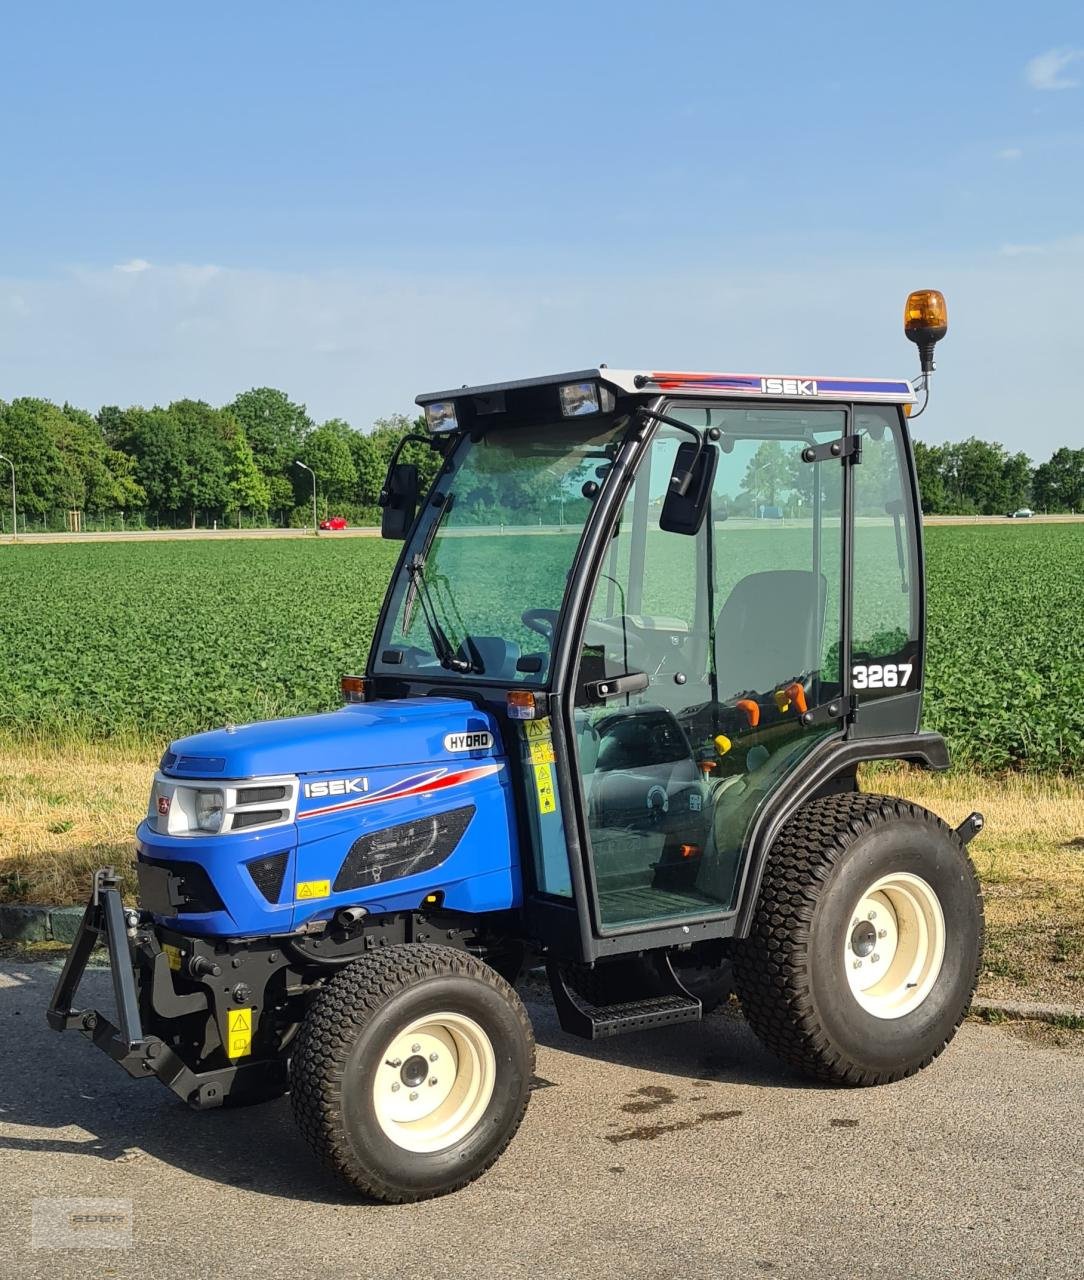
[(616, 686)]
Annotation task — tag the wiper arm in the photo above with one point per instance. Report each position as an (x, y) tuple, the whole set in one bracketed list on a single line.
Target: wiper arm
[(442, 646), (422, 557)]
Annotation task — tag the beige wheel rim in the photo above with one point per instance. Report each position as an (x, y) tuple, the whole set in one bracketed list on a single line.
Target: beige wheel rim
[(895, 945), (434, 1082)]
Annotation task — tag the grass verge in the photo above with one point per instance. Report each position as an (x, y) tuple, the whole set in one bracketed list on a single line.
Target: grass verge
[(66, 810)]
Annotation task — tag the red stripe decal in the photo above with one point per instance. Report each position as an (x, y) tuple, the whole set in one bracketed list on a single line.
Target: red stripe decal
[(417, 785)]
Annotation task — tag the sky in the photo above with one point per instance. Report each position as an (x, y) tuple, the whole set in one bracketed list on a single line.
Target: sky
[(358, 202)]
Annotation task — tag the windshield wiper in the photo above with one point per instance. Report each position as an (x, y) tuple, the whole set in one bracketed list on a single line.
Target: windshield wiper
[(442, 646)]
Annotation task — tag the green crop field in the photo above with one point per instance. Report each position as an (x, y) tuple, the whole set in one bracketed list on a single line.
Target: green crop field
[(154, 640)]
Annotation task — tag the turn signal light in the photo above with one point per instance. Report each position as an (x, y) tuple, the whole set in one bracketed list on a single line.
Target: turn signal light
[(525, 705), (352, 688)]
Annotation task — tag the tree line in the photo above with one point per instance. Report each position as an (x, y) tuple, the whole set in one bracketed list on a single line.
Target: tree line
[(976, 477), (190, 463)]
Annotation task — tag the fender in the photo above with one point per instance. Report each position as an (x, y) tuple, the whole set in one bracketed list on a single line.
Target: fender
[(815, 771)]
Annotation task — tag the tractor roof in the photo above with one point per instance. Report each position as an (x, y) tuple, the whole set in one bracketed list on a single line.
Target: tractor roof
[(767, 386)]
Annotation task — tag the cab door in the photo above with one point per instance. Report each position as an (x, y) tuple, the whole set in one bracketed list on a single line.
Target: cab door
[(716, 645)]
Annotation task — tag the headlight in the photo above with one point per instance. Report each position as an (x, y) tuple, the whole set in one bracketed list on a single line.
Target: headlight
[(209, 809)]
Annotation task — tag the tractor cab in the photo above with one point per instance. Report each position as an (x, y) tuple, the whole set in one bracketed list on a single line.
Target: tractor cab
[(676, 592)]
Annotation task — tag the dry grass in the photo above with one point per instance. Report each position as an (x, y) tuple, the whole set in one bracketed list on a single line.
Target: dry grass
[(1030, 858), (64, 812)]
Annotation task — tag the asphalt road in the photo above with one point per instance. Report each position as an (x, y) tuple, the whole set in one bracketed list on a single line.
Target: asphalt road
[(682, 1153)]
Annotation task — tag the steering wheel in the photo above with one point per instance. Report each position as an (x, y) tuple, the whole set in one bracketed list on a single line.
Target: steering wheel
[(541, 621)]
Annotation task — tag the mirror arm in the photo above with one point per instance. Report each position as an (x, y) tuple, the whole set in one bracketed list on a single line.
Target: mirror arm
[(679, 483), (384, 496)]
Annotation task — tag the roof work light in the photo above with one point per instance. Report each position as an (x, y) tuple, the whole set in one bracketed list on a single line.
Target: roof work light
[(925, 322)]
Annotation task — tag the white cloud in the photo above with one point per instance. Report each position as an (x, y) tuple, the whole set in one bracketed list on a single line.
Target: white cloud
[(1010, 153), (1047, 70), (133, 265), (1067, 244)]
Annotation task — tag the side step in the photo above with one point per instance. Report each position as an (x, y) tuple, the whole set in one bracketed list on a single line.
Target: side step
[(595, 1022)]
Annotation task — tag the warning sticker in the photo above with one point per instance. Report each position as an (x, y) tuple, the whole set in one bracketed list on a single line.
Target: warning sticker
[(313, 889), (542, 751), (173, 955), (538, 729), (239, 1032), (543, 781)]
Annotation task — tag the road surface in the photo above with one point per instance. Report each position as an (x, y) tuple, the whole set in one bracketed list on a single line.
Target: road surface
[(683, 1153)]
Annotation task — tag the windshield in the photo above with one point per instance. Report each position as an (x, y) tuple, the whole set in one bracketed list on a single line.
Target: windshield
[(483, 579)]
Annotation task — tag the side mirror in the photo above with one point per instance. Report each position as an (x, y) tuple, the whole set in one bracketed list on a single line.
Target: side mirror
[(399, 500), (687, 496)]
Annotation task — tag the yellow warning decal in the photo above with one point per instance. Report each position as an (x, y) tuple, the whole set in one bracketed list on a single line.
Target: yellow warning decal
[(313, 889), (173, 956), (239, 1032), (538, 729), (543, 781), (542, 751)]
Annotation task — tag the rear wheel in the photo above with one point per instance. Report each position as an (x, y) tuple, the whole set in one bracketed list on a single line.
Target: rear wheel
[(411, 1071), (866, 943)]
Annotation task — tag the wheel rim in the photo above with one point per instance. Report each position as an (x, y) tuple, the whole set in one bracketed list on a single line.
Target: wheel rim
[(895, 945), (434, 1082)]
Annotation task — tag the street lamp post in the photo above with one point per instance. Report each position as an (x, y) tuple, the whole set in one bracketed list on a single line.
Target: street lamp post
[(299, 463), (14, 518)]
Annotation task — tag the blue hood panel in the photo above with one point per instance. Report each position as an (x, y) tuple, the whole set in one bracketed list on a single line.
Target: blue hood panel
[(358, 736)]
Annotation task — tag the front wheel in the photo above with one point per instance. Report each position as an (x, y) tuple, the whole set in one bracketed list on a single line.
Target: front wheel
[(867, 940), (411, 1071)]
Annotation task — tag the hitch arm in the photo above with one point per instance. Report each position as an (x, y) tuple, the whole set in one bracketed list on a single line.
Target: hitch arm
[(104, 915)]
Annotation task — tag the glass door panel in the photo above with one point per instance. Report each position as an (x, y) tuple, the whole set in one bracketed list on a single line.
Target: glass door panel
[(737, 630)]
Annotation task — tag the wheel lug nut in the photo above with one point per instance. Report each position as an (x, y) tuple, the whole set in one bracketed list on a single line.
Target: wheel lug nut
[(395, 1087), (875, 958), (873, 915), (432, 1079), (414, 1097), (855, 923), (882, 933), (858, 964), (394, 1062), (432, 1057), (414, 1048)]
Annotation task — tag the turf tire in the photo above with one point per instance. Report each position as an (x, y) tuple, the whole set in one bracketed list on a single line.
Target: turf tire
[(352, 1019), (790, 973)]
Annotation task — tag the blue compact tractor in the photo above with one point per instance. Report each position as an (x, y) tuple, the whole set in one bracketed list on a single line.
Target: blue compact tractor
[(644, 629)]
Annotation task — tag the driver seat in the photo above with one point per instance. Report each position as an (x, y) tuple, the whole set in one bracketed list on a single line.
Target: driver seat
[(767, 630)]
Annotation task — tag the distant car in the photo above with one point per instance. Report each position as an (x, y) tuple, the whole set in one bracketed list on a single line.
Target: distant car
[(1021, 513), (333, 522)]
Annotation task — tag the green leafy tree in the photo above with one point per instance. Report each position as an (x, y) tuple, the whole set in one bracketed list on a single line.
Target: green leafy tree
[(327, 453), (1059, 483), (275, 427)]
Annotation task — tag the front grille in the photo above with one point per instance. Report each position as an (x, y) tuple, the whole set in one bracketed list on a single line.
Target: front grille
[(268, 873), (260, 795), (256, 818), (403, 850)]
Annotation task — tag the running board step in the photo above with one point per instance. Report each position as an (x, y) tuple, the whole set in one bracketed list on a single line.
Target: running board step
[(594, 1022)]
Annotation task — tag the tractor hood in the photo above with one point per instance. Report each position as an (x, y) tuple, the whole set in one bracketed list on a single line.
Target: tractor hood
[(362, 736)]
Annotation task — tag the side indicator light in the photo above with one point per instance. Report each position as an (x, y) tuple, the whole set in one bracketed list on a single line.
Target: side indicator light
[(352, 688), (525, 705)]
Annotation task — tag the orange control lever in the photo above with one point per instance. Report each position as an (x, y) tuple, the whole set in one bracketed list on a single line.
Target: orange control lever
[(752, 711), (796, 693)]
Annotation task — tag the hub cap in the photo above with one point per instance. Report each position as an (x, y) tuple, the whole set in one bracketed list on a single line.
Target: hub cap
[(895, 945), (434, 1082)]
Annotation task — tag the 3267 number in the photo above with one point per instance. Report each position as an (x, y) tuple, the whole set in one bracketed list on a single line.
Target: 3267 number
[(878, 675)]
